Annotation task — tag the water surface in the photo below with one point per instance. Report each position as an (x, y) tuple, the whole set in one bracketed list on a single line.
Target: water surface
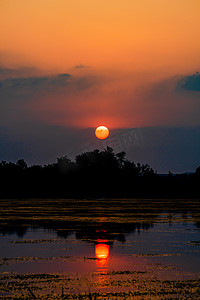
[(105, 248)]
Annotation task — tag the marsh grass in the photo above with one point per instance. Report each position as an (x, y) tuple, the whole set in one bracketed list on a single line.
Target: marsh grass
[(83, 217), (55, 286)]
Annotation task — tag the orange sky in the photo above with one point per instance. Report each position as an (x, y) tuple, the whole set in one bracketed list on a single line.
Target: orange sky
[(133, 53), (130, 35)]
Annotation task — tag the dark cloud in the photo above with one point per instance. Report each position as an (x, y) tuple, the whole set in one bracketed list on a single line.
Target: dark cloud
[(84, 83), (37, 82), (4, 72), (80, 66), (16, 73), (53, 97), (14, 82), (64, 75), (191, 82)]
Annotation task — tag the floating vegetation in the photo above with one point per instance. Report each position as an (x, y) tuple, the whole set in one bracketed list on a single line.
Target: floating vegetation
[(160, 266), (52, 245), (91, 258), (157, 254), (194, 243), (122, 273), (7, 260), (38, 241), (55, 286)]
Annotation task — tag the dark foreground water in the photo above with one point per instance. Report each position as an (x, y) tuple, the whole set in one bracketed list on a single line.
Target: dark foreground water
[(100, 249)]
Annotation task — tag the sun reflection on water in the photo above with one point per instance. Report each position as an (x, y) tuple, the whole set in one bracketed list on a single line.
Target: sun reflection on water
[(102, 255), (102, 251)]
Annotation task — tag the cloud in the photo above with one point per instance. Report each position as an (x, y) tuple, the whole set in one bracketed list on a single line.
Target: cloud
[(54, 99), (43, 83), (18, 72), (34, 83), (87, 100), (191, 82), (18, 94), (80, 66)]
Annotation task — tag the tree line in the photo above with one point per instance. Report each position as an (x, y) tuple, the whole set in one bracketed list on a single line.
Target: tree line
[(93, 174)]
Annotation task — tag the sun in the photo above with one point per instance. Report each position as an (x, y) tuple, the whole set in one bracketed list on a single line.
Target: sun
[(102, 132)]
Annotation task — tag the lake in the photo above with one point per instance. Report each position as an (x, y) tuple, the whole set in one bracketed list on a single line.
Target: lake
[(100, 249)]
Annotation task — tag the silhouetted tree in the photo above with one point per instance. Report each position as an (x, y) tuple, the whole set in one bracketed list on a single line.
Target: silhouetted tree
[(93, 174), (197, 172), (22, 164)]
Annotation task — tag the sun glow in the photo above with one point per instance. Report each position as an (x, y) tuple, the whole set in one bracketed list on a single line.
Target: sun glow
[(102, 132)]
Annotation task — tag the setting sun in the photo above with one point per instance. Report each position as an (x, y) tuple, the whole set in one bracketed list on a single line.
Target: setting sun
[(102, 132)]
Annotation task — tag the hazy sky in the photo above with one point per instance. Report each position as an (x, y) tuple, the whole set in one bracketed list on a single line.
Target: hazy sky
[(68, 66)]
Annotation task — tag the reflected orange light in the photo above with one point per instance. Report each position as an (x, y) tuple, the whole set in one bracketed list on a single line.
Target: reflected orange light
[(101, 251)]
